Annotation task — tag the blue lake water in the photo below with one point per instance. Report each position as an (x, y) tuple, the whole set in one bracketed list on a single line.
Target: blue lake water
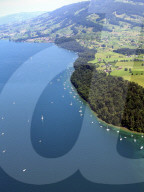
[(50, 140)]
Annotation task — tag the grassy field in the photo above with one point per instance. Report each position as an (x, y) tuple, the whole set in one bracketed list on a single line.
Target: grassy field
[(121, 65)]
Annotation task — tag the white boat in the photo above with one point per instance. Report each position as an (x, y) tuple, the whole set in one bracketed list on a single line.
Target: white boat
[(71, 104), (135, 140), (108, 129), (121, 139), (118, 131), (24, 170), (42, 118), (141, 147)]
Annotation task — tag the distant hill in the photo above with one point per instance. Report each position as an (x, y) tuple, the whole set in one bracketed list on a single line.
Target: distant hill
[(18, 17), (120, 20)]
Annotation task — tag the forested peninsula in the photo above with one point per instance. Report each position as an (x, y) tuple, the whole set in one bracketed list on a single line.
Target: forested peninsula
[(115, 101)]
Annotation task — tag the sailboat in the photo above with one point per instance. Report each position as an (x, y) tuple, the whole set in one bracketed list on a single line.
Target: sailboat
[(141, 147), (42, 118), (108, 129)]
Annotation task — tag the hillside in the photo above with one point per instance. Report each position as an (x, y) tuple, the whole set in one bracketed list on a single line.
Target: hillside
[(84, 21)]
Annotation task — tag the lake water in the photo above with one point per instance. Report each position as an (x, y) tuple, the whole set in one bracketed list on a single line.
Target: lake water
[(50, 140)]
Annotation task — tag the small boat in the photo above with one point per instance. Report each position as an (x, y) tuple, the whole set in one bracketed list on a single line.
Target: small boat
[(80, 111), (135, 140), (4, 151), (92, 122), (71, 104), (121, 139), (42, 118), (2, 134), (141, 147), (118, 131), (24, 170), (125, 137), (101, 126), (108, 129)]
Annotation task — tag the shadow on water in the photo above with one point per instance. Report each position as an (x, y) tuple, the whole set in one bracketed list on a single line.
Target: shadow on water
[(75, 183), (57, 133)]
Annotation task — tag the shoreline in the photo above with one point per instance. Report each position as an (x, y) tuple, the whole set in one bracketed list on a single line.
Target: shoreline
[(125, 130)]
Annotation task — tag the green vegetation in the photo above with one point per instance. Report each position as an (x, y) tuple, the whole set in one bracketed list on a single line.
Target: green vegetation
[(116, 101), (130, 67)]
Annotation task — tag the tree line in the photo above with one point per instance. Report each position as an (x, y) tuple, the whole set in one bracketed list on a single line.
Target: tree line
[(115, 100)]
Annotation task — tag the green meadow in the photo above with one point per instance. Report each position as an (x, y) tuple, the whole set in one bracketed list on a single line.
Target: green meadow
[(129, 67)]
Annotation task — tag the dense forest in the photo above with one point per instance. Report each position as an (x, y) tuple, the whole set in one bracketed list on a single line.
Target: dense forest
[(116, 101)]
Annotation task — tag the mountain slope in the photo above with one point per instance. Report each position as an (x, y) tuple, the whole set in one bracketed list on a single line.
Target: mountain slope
[(83, 21)]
